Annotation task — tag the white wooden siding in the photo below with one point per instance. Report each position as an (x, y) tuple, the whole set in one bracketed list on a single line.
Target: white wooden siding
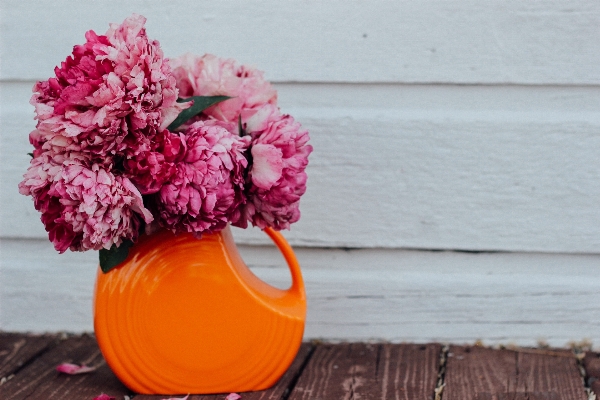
[(368, 294), (416, 166), (449, 41), (469, 125)]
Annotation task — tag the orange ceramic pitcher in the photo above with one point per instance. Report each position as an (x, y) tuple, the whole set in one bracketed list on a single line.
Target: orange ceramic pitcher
[(183, 315)]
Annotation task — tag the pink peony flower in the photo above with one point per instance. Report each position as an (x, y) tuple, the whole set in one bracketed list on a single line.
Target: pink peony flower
[(277, 177), (212, 76), (43, 170), (204, 193), (112, 95), (149, 170), (83, 207), (101, 143)]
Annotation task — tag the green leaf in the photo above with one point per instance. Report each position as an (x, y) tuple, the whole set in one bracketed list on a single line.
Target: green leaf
[(115, 256), (201, 103), (30, 155), (240, 127)]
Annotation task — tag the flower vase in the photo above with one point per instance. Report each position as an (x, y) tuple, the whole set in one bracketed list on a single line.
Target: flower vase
[(184, 315)]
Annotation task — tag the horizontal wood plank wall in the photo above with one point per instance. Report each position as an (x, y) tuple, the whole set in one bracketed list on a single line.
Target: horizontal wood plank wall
[(507, 162), (368, 294), (452, 125), (441, 41), (475, 168)]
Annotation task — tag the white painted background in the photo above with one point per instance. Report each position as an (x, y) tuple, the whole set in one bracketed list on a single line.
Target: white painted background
[(437, 125)]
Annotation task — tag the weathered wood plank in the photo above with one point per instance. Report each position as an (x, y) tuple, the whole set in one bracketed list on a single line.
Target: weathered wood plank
[(369, 371), (450, 167), (39, 380), (517, 396), (483, 373), (354, 295), (456, 41), (288, 380), (16, 349), (408, 371), (557, 373), (327, 371), (591, 363), (477, 372), (340, 371), (277, 392)]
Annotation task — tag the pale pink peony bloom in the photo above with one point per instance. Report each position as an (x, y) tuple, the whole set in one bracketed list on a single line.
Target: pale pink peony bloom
[(206, 190), (209, 75), (43, 170), (83, 208), (277, 177), (74, 369), (111, 96)]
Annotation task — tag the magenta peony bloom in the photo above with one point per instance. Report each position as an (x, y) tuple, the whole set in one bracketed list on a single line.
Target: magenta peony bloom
[(111, 96), (212, 76), (150, 170), (83, 208), (277, 177), (206, 190)]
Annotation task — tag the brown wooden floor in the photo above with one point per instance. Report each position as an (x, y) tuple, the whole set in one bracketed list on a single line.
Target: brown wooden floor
[(326, 371)]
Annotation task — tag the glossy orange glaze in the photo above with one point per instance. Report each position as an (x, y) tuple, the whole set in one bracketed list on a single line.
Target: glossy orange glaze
[(182, 315)]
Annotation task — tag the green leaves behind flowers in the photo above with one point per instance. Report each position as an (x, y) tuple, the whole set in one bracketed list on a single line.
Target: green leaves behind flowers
[(114, 256), (201, 103)]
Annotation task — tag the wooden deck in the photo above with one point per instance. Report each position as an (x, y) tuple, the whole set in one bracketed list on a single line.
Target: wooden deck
[(326, 371)]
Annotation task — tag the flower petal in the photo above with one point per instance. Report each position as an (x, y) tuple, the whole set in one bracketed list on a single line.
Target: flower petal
[(104, 396), (74, 369), (267, 165), (233, 396)]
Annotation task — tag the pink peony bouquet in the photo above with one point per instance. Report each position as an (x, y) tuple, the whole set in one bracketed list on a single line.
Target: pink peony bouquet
[(129, 141)]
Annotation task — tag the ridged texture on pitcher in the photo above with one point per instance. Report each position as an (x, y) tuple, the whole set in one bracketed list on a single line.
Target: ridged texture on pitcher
[(182, 315)]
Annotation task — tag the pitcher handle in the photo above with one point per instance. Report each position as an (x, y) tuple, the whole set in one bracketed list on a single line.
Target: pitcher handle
[(288, 253)]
